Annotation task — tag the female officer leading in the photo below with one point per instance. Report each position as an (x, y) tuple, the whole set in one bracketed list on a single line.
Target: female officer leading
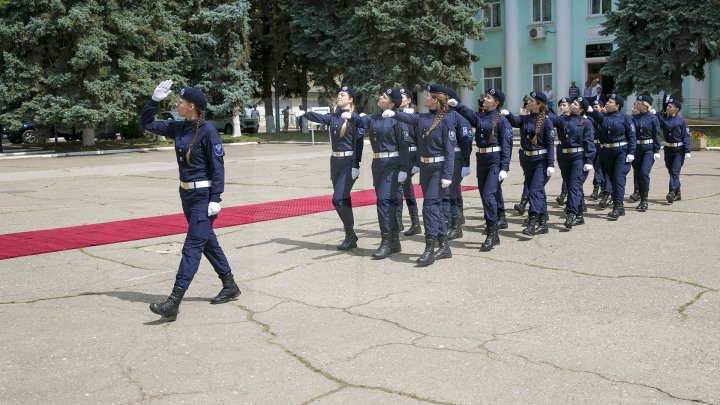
[(436, 147), (647, 128), (537, 158), (493, 137), (389, 165), (199, 152), (677, 146), (347, 146)]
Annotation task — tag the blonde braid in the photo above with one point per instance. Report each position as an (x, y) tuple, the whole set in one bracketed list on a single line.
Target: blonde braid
[(201, 117), (442, 109), (539, 124), (492, 128), (343, 129)]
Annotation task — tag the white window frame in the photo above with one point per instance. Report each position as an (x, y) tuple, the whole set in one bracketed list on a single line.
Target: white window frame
[(600, 3), (495, 81), (542, 18), (545, 78), (492, 9)]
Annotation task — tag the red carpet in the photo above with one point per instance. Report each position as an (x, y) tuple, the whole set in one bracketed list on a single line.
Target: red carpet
[(76, 237)]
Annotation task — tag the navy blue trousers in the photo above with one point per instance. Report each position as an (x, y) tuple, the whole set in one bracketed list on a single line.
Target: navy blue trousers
[(488, 168), (642, 165), (674, 160), (433, 218), (200, 239), (617, 169), (599, 175), (385, 182), (342, 181), (535, 180), (450, 200), (571, 168), (407, 191)]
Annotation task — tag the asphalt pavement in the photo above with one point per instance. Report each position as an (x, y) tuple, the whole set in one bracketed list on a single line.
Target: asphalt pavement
[(622, 312)]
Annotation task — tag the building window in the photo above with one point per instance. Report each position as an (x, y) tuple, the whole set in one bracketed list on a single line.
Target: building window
[(492, 78), (541, 11), (542, 76), (491, 13), (600, 7)]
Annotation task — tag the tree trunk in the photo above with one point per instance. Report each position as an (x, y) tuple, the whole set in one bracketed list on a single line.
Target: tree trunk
[(88, 135), (676, 80)]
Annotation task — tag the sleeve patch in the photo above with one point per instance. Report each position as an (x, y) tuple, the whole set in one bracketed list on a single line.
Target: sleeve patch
[(218, 150)]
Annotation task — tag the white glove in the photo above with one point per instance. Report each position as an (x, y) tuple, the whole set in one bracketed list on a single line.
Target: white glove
[(162, 91), (415, 170), (502, 175), (629, 158), (409, 111), (213, 208), (355, 173), (652, 111), (362, 114), (464, 171), (589, 109), (346, 115), (587, 167), (452, 102), (549, 172), (656, 156), (687, 156), (299, 113), (445, 183), (388, 114), (504, 112), (402, 176)]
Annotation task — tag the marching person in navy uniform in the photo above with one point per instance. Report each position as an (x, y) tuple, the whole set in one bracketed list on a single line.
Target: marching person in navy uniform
[(389, 165), (453, 202), (575, 155), (647, 129), (407, 190), (436, 148), (677, 146), (347, 146), (618, 141), (199, 152), (599, 174), (493, 137), (558, 121), (537, 158)]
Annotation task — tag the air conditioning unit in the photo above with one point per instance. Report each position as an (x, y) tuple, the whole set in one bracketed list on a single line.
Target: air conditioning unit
[(536, 32)]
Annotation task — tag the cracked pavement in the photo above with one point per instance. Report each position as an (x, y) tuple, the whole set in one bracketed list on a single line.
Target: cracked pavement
[(610, 312)]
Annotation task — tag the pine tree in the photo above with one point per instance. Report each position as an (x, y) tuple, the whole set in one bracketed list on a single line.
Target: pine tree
[(659, 43)]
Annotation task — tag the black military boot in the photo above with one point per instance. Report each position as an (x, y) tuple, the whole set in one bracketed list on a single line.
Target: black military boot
[(414, 227), (400, 225), (643, 206), (579, 220), (384, 249), (502, 220), (171, 306), (616, 211), (596, 192), (395, 241), (520, 207), (491, 240), (670, 197), (561, 198), (678, 195), (605, 200), (443, 251), (635, 196), (230, 290), (455, 230), (569, 220), (530, 229), (461, 215), (541, 227), (428, 256), (350, 239)]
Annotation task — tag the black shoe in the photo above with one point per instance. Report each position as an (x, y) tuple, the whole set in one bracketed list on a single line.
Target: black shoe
[(230, 290), (671, 196), (520, 207), (415, 227), (678, 196), (596, 193), (384, 249), (350, 239), (395, 242), (541, 227), (530, 229), (502, 220), (461, 218), (561, 198), (617, 211), (171, 306), (443, 251), (579, 220), (605, 200), (643, 206), (569, 220), (455, 231), (635, 197), (428, 256), (492, 239)]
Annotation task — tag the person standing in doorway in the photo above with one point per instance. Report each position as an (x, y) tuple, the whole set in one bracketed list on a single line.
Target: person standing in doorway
[(573, 91)]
